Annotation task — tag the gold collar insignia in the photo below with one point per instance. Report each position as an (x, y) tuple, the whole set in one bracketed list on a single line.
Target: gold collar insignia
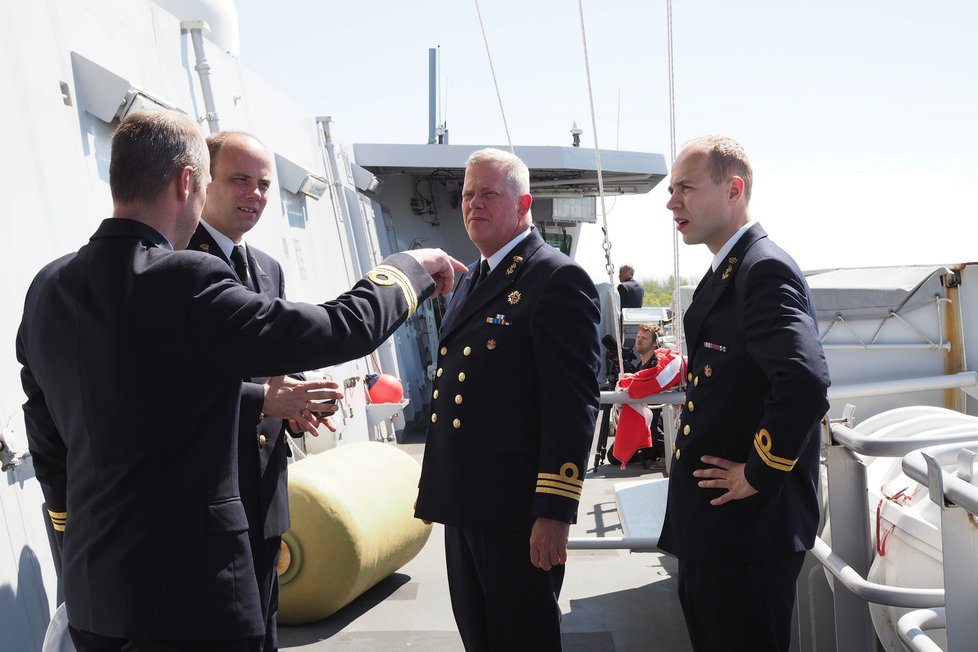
[(730, 265), (512, 267)]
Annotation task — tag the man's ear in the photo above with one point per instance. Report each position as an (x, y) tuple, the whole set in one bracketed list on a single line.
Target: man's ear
[(525, 202), (736, 188), (184, 182)]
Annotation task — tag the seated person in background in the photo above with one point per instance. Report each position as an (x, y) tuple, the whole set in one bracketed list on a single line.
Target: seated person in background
[(660, 369), (646, 342), (629, 290)]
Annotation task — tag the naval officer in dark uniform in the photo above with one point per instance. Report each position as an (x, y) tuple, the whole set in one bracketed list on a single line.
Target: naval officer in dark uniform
[(514, 403), (241, 176), (742, 507), (133, 356)]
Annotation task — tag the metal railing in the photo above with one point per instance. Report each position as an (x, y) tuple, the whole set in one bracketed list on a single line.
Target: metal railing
[(862, 445), (957, 497), (849, 557)]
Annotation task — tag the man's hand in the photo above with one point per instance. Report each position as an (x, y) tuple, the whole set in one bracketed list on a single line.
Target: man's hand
[(441, 266), (301, 402), (548, 543), (726, 475)]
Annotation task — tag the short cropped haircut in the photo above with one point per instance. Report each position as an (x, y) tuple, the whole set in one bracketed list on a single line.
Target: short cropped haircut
[(517, 173), (216, 141), (628, 269), (727, 158), (148, 151)]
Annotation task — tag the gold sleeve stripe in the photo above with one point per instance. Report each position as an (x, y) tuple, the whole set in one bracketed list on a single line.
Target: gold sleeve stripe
[(558, 492), (560, 478), (58, 520), (775, 462), (402, 281), (559, 485)]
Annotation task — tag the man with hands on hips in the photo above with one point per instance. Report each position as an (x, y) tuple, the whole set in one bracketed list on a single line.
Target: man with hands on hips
[(743, 505)]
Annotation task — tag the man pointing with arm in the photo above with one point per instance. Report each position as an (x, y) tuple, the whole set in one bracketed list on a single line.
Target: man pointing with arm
[(156, 552)]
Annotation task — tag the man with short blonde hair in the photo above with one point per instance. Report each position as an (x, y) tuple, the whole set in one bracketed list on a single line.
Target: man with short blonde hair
[(743, 502)]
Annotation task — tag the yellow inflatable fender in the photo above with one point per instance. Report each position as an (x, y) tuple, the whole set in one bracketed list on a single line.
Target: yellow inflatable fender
[(352, 513)]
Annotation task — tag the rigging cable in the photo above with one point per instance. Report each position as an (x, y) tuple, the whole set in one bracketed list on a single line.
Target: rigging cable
[(677, 308), (492, 69), (597, 162)]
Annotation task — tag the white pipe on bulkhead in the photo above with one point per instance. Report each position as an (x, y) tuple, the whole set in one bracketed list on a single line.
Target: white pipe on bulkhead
[(357, 235), (196, 30)]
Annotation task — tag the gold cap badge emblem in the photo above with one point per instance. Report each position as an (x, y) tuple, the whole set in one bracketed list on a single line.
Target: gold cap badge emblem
[(514, 297)]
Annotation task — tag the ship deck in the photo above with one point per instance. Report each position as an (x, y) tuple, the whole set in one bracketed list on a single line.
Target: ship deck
[(612, 600)]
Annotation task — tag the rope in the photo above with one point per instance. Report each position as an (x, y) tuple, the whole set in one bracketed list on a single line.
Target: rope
[(677, 320), (492, 69), (597, 163)]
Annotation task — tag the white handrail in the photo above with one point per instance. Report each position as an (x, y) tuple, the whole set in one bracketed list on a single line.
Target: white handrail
[(877, 447), (644, 544), (853, 390), (895, 596), (911, 628), (958, 491), (904, 385), (665, 398)]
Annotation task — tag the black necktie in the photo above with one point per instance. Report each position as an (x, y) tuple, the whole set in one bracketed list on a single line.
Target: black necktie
[(483, 272), (240, 264)]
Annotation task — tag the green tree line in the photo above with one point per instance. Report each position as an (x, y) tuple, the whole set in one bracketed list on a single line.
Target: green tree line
[(658, 292)]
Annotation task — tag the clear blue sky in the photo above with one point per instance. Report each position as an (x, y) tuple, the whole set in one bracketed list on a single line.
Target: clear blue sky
[(861, 118)]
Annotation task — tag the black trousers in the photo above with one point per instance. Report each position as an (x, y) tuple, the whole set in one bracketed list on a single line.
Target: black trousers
[(89, 642), (739, 606), (266, 553), (501, 601)]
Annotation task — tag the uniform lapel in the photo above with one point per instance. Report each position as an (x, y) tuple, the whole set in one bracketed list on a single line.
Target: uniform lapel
[(263, 283), (713, 285), (696, 311), (202, 241), (461, 291), (499, 281)]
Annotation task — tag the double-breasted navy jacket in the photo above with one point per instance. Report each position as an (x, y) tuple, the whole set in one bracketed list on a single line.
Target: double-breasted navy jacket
[(515, 394), (756, 391)]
